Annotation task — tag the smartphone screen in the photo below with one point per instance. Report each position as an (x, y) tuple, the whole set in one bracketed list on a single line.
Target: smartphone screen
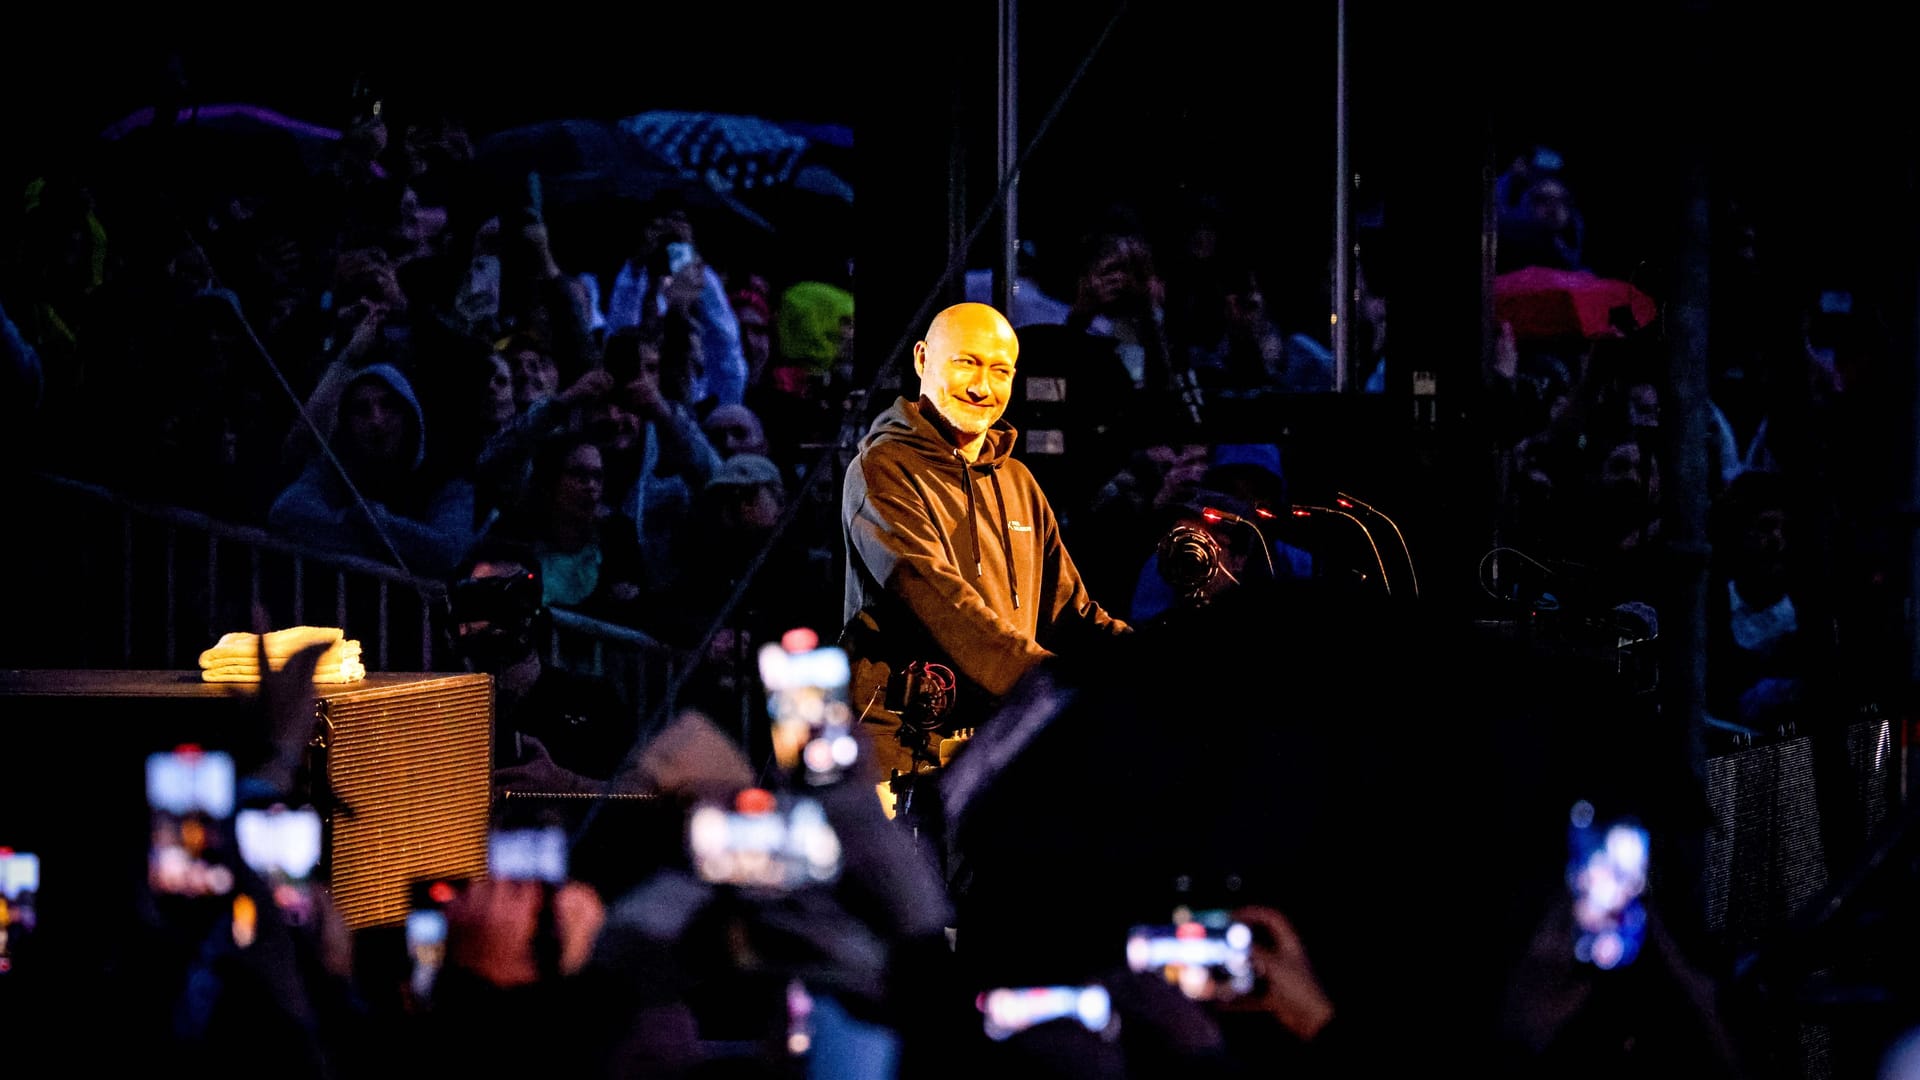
[(1007, 1011), (529, 854), (1207, 954), (426, 935), (764, 842), (19, 900), (679, 256), (1607, 880), (190, 796), (806, 687), (283, 845)]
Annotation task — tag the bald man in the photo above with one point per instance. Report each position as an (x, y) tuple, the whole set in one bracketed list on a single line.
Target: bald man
[(954, 559)]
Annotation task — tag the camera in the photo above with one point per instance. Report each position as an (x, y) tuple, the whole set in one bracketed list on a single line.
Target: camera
[(1207, 954), (528, 854), (507, 600), (190, 798), (812, 725), (19, 904), (1007, 1011), (1607, 879), (764, 842), (426, 933), (283, 845)]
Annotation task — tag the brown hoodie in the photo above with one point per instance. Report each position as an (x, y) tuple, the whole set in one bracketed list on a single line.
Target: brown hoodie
[(951, 563)]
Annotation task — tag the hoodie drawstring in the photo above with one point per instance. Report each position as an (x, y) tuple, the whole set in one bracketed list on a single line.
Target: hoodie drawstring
[(1006, 544), (973, 520), (973, 526)]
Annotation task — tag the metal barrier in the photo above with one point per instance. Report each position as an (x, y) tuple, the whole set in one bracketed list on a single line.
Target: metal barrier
[(111, 582)]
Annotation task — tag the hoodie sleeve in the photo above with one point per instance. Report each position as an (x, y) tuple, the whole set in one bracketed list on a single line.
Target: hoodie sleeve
[(1072, 614), (684, 449), (895, 538), (720, 341), (435, 543), (311, 511)]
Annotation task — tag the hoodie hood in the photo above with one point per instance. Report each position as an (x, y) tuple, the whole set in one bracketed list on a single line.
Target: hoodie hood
[(403, 389), (916, 424)]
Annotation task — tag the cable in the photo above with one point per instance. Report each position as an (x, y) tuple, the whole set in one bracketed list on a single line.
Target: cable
[(1481, 571)]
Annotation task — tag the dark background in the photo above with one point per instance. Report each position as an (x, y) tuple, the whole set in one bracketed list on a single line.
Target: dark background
[(1803, 115)]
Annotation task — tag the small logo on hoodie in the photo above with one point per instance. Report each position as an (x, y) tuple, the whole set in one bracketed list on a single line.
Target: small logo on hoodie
[(1014, 526)]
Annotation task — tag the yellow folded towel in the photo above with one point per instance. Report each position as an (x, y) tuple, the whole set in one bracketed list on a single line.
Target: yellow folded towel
[(280, 644), (236, 656), (354, 674), (346, 664), (337, 653)]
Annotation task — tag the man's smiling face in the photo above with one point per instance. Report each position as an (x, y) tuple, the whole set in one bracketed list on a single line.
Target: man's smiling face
[(966, 369)]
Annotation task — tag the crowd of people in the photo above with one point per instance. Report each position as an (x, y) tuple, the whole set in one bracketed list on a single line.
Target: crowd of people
[(402, 357)]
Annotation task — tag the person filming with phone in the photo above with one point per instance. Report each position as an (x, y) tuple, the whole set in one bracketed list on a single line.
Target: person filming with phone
[(667, 274)]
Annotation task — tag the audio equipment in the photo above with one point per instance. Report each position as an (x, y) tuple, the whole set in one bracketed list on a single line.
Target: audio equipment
[(401, 763)]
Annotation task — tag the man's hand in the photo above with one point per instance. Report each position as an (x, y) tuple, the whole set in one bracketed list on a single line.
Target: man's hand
[(537, 771)]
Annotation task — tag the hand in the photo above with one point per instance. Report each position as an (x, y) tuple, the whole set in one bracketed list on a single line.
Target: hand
[(534, 240), (1286, 986), (645, 399), (362, 321), (490, 931), (592, 386), (286, 697), (692, 757), (683, 289), (537, 771), (578, 916), (1506, 353)]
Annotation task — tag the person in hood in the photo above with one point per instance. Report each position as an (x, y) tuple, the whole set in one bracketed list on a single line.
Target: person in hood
[(958, 582), (375, 503)]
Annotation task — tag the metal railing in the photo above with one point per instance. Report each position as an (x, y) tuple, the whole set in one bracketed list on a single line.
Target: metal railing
[(116, 583)]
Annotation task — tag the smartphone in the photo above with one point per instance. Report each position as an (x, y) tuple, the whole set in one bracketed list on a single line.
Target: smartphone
[(1207, 954), (283, 845), (1007, 1011), (679, 256), (528, 854), (812, 726), (19, 901), (190, 799), (764, 841), (1607, 881), (426, 934)]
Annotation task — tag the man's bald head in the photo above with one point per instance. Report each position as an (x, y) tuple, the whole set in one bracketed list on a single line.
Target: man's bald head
[(966, 370)]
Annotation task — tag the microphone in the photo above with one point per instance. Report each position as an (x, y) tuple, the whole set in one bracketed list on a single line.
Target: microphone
[(1307, 510), (1190, 562), (1343, 499), (1214, 514)]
